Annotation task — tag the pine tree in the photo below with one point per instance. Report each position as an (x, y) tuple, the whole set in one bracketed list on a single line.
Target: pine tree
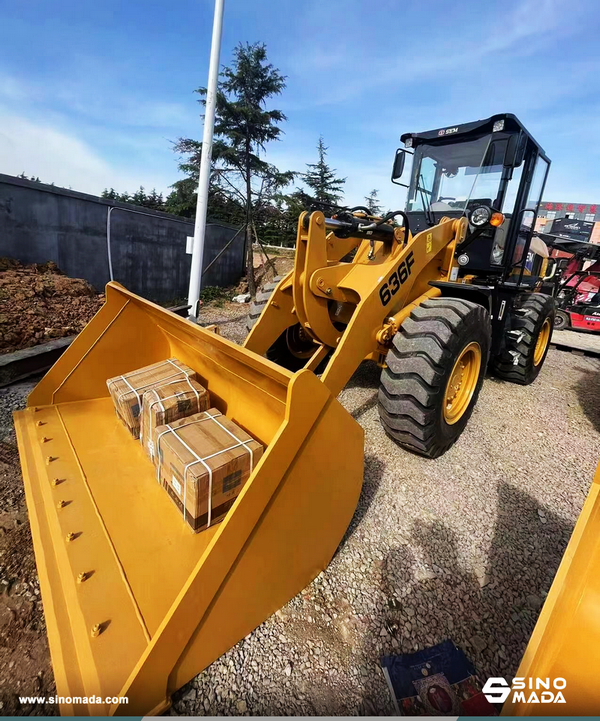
[(243, 127), (320, 178), (139, 197), (373, 204), (155, 201), (182, 199)]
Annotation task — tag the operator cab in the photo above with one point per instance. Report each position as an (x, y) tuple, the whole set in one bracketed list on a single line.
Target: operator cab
[(492, 171)]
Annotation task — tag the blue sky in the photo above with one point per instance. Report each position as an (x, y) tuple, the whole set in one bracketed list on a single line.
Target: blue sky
[(92, 94)]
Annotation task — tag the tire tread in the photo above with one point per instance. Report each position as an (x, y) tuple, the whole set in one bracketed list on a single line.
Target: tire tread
[(258, 304), (416, 372)]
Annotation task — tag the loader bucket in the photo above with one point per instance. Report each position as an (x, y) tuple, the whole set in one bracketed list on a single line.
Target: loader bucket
[(565, 644), (137, 604)]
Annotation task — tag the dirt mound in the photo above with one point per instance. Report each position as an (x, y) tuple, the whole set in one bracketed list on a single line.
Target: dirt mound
[(39, 302)]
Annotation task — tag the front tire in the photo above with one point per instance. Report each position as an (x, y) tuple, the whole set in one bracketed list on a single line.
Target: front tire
[(435, 369), (528, 340), (292, 349)]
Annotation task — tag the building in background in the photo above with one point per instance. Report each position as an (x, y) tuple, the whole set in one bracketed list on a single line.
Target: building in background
[(585, 217)]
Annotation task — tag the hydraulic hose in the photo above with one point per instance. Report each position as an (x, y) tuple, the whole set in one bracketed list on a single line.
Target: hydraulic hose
[(356, 227)]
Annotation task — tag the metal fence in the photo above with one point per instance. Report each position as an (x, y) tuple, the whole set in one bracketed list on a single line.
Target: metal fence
[(96, 238)]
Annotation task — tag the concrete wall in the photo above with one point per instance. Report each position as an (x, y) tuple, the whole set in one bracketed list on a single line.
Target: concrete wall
[(41, 222)]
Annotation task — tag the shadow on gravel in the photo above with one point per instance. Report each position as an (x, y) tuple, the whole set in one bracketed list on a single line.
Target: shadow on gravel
[(491, 378), (588, 392), (374, 469), (364, 407), (366, 376), (430, 595)]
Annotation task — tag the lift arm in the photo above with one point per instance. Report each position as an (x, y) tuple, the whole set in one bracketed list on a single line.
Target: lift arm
[(354, 309)]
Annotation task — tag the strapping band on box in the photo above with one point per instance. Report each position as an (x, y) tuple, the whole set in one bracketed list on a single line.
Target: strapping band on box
[(142, 370), (168, 398), (201, 460)]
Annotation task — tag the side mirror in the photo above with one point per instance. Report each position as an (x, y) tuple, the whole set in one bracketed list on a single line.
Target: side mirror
[(515, 150), (398, 168)]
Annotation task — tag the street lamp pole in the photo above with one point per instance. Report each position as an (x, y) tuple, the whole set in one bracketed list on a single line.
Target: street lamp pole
[(205, 163)]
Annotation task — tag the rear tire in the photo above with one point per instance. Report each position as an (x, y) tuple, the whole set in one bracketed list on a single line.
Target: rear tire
[(561, 320), (258, 305), (441, 348), (527, 345)]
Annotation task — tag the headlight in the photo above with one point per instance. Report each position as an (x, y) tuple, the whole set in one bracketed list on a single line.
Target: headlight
[(480, 216)]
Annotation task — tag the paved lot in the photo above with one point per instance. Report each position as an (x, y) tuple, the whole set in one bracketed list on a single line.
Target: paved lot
[(464, 547)]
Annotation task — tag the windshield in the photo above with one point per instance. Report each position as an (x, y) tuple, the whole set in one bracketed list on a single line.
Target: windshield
[(445, 177)]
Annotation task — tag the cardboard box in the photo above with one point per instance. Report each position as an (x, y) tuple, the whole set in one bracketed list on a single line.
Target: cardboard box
[(127, 390), (196, 444), (168, 403)]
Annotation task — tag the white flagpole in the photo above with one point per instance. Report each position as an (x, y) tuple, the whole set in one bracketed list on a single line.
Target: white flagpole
[(205, 163)]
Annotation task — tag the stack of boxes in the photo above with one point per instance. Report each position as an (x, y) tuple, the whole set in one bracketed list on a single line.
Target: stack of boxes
[(168, 403), (127, 390), (201, 458)]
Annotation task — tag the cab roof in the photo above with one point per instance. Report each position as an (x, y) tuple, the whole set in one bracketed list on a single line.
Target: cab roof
[(455, 133)]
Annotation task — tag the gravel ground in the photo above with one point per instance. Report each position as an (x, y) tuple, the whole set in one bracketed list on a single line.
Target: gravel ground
[(578, 338), (231, 319), (464, 547)]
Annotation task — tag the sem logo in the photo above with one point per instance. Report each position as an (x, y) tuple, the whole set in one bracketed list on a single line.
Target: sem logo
[(448, 131), (525, 690)]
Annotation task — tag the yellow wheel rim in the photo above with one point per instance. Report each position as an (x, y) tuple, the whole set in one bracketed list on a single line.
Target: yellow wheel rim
[(541, 343), (462, 383)]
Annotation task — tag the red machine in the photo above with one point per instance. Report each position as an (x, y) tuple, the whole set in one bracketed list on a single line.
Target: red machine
[(578, 300)]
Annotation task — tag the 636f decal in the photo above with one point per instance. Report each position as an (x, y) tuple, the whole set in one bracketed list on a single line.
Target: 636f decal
[(396, 279)]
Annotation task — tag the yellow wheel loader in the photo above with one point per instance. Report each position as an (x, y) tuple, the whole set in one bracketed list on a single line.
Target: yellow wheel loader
[(137, 605), (460, 284)]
